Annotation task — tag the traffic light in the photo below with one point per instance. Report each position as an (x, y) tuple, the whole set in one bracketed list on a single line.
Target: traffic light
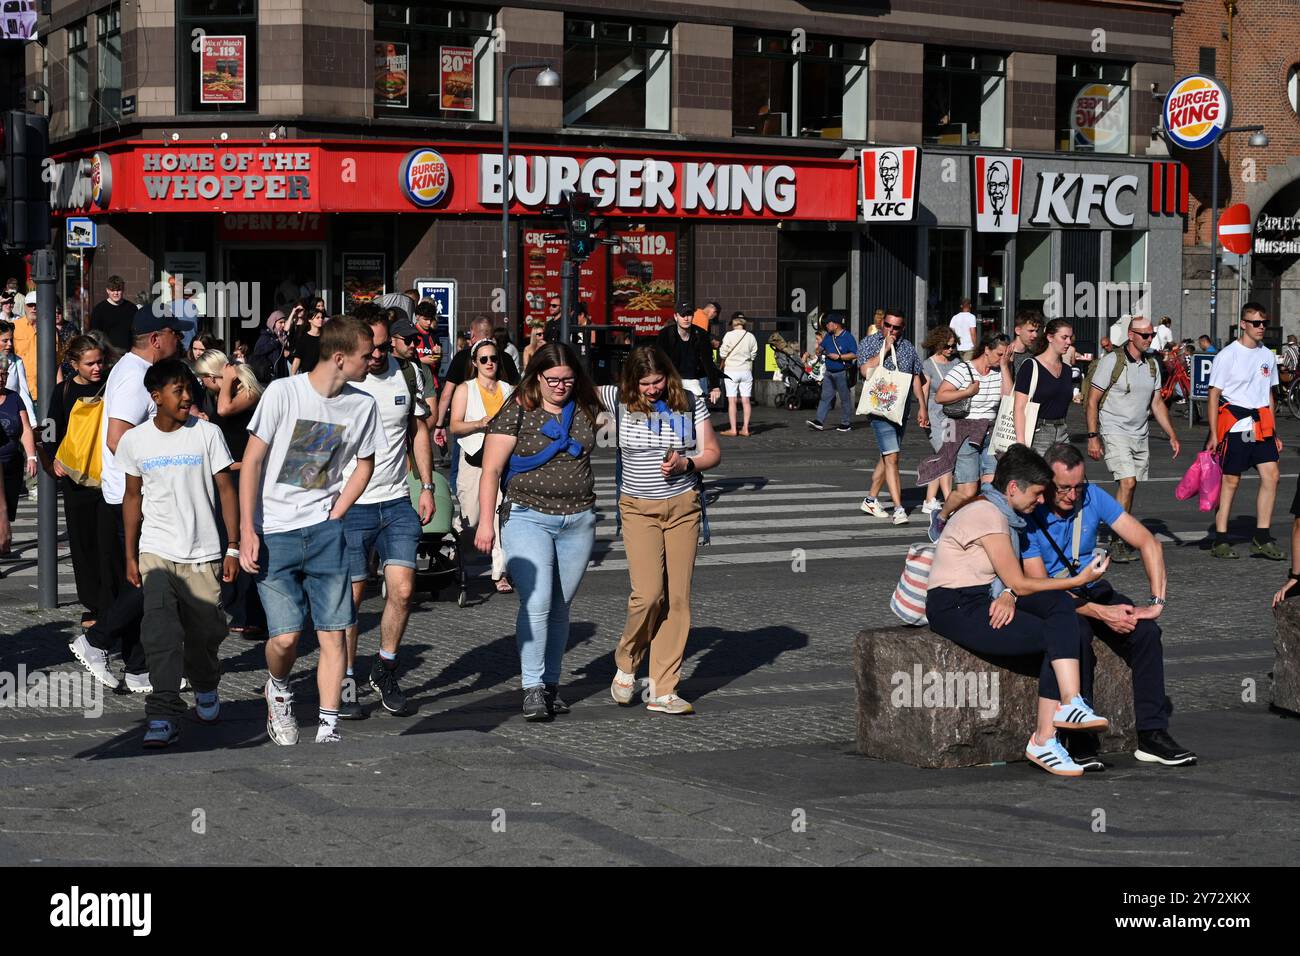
[(580, 226), (26, 208)]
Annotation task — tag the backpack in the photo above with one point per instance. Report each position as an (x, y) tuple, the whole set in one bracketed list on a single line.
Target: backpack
[(1121, 362)]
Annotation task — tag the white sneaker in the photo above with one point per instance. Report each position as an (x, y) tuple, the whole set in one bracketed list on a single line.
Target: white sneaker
[(900, 516), (872, 507), (327, 735), (94, 660), (207, 706), (623, 688), (934, 504), (281, 726), (139, 684)]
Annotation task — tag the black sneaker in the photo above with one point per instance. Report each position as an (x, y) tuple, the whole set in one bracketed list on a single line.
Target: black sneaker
[(535, 704), (1156, 746), (553, 702), (814, 424), (844, 428), (1083, 751), (351, 710), (383, 678)]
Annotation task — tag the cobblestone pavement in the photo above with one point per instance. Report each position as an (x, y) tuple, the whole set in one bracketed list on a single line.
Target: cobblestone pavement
[(765, 773)]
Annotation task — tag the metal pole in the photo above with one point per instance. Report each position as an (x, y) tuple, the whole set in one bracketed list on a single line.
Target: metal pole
[(47, 504), (568, 273), (505, 192), (1214, 243)]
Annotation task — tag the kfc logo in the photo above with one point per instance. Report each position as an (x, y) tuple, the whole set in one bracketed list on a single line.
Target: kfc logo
[(889, 181), (996, 186)]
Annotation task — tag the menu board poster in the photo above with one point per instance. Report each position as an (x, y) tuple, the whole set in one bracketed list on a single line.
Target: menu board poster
[(392, 75), (222, 64), (542, 259), (456, 78), (643, 282), (363, 278)]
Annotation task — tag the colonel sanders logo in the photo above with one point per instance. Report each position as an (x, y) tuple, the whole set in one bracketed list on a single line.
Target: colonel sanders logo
[(889, 173), (998, 183)]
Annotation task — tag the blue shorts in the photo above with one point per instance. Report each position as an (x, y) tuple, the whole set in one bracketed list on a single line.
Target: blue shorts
[(888, 435), (1241, 455), (973, 463), (391, 528), (305, 571)]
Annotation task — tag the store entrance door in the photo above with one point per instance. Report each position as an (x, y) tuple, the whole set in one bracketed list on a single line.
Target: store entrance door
[(270, 277), (989, 285)]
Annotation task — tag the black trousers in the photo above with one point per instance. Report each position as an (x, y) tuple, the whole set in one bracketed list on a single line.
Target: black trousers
[(13, 479), (120, 619), (1145, 656), (81, 517)]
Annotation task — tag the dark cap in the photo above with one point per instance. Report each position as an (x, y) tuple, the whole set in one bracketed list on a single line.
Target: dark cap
[(836, 317), (404, 328), (685, 307), (145, 322)]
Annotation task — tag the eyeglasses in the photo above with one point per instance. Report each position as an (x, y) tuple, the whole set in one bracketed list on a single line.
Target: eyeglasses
[(490, 360), (558, 382), (1078, 489), (1255, 322)]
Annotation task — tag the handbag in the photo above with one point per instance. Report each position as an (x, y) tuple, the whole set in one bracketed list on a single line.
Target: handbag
[(1004, 430), (908, 601), (80, 453), (884, 392), (960, 408)]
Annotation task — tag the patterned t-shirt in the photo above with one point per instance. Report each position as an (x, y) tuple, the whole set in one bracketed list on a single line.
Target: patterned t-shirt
[(565, 484)]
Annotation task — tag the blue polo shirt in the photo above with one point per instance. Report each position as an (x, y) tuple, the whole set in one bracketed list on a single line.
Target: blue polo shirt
[(1098, 508), (843, 343)]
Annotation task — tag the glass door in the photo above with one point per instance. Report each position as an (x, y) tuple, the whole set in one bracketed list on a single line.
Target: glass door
[(988, 283), (259, 279)]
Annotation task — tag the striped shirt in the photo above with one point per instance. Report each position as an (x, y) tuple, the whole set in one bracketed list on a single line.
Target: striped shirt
[(985, 403), (643, 439)]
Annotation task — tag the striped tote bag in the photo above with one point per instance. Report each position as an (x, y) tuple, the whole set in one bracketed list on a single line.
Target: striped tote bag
[(908, 602)]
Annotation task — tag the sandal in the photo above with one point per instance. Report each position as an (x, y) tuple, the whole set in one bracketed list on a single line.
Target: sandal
[(503, 586), (730, 433)]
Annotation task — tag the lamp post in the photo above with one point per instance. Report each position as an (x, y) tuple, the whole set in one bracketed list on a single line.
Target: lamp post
[(1258, 139), (547, 78)]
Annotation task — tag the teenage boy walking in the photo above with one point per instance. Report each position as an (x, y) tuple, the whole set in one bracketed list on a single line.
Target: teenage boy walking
[(173, 547), (292, 499)]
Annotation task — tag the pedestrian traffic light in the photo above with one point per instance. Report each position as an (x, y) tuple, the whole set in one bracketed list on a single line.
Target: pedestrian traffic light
[(26, 207), (580, 226)]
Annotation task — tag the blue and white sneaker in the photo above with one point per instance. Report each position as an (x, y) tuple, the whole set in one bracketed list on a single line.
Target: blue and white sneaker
[(207, 706), (1053, 757), (1077, 715), (161, 733), (936, 525)]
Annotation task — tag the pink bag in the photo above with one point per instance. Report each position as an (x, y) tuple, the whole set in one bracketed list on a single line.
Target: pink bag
[(1211, 479), (1190, 486)]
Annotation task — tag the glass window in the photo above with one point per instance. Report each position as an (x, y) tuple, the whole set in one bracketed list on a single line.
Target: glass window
[(1092, 101), (964, 98), (1128, 257), (434, 61), (216, 55), (616, 74), (1033, 268), (778, 90), (108, 39), (1293, 88), (78, 79), (946, 279)]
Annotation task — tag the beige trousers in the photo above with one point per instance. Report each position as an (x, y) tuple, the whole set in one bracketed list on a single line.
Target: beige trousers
[(467, 479)]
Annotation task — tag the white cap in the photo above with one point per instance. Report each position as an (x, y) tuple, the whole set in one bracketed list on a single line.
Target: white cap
[(31, 299)]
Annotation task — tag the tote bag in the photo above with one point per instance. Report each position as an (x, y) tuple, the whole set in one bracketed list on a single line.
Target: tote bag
[(1004, 431), (884, 393), (908, 601), (80, 453)]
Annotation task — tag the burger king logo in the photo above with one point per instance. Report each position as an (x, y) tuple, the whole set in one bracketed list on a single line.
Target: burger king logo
[(101, 180), (1099, 116), (424, 177), (1197, 110)]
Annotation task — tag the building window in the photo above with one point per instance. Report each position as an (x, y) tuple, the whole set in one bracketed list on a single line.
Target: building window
[(216, 53), (616, 74), (1293, 88), (108, 38), (946, 282), (434, 61), (777, 90), (1128, 257), (1033, 269), (965, 98), (78, 79), (1091, 106)]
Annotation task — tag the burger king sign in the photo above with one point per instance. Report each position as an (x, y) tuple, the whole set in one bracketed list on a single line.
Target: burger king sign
[(425, 177), (1197, 110)]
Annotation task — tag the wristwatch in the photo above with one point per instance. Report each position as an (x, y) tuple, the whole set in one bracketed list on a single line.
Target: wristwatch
[(1013, 594), (1093, 435), (1157, 601), (690, 465), (426, 486)]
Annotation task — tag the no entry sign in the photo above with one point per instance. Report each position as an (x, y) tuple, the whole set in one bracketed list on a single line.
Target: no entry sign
[(1235, 228)]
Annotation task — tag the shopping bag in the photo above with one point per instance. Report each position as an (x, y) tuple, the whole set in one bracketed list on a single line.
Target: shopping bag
[(80, 452), (884, 393), (908, 602), (1004, 430), (1211, 479)]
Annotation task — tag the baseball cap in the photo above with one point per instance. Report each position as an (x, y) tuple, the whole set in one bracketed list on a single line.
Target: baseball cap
[(685, 307), (404, 328), (836, 317), (30, 299), (145, 322)]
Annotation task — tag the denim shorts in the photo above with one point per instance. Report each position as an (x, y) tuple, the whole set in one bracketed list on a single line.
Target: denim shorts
[(391, 528), (973, 463), (888, 435), (305, 571)]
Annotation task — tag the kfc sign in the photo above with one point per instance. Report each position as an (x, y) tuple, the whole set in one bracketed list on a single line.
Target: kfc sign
[(996, 188), (1068, 199), (889, 181)]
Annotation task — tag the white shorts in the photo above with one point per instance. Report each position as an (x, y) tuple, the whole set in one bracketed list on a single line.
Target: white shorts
[(740, 383)]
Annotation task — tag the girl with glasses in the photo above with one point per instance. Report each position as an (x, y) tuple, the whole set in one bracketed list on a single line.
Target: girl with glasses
[(538, 450), (473, 406)]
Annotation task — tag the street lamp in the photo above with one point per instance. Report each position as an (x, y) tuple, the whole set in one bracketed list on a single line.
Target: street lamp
[(1259, 139), (547, 78)]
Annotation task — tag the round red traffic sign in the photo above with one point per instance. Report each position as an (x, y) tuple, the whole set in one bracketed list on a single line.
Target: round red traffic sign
[(1235, 229)]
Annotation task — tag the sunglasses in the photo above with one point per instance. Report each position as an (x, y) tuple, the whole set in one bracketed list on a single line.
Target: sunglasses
[(893, 328), (1142, 335), (383, 349), (1255, 322), (488, 360)]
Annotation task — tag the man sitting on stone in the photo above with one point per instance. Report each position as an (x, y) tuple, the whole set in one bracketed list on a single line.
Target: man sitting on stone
[(1062, 537)]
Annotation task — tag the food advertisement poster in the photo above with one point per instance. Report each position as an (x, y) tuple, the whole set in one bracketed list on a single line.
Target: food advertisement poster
[(363, 278), (392, 75), (222, 63), (541, 267), (456, 78), (643, 281)]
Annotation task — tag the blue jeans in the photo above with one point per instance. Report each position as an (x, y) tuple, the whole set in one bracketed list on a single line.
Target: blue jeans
[(888, 435), (391, 528), (546, 558), (305, 571), (835, 383)]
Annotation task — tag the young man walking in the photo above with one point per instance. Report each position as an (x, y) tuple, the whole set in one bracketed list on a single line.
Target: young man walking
[(1240, 411), (292, 501), (1029, 326), (841, 351), (383, 522), (889, 437), (965, 325), (173, 547)]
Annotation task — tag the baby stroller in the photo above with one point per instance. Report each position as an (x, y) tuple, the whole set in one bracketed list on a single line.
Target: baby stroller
[(800, 388), (438, 563)]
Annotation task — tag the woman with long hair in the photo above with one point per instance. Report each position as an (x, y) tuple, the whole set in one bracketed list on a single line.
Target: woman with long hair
[(473, 406), (306, 343), (1047, 379), (538, 452), (941, 348), (85, 357), (657, 421), (200, 344), (536, 339), (234, 391)]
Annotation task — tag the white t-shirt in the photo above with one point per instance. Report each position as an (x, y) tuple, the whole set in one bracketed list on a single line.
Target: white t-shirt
[(125, 398), (179, 498), (393, 400), (986, 402), (1246, 377), (311, 439), (1164, 337), (737, 351), (964, 323)]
